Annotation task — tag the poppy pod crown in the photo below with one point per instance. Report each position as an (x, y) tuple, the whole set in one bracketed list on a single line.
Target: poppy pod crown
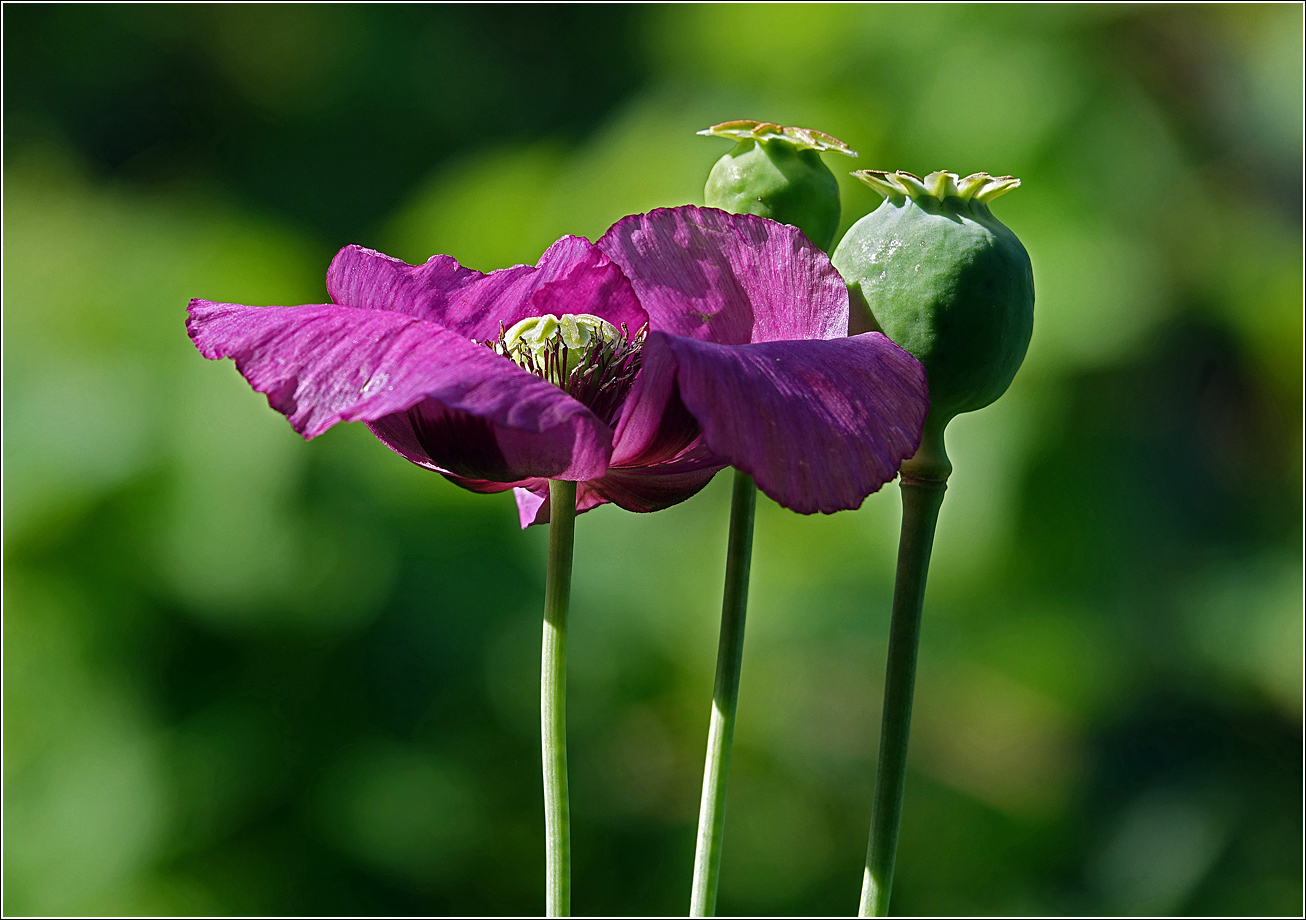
[(942, 277)]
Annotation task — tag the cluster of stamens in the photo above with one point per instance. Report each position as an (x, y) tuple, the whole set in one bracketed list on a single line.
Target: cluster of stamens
[(588, 358)]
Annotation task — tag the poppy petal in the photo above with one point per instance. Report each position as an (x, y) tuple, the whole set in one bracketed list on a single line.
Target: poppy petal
[(533, 501), (818, 424), (729, 278), (659, 485), (573, 276), (323, 364), (654, 425)]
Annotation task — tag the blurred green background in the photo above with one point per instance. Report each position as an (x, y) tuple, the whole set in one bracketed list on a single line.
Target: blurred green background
[(248, 674)]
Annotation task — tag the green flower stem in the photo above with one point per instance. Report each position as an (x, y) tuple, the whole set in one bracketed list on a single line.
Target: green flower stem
[(725, 699), (923, 482), (553, 699)]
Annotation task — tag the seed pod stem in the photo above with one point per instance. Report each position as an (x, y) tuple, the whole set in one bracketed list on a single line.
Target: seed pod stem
[(923, 483), (725, 700), (936, 272)]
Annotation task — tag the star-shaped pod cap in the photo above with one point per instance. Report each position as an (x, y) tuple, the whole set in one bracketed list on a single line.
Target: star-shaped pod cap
[(802, 138), (939, 184)]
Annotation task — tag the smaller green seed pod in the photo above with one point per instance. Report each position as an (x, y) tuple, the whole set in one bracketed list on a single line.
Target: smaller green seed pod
[(942, 277), (776, 172)]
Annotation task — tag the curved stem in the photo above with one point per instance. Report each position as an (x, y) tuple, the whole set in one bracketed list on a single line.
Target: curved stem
[(553, 699), (923, 482), (725, 699)]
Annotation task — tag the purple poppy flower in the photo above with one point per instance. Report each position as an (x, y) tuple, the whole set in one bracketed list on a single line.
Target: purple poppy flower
[(685, 340)]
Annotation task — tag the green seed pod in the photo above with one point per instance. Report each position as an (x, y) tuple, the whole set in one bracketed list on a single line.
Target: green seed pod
[(776, 172), (942, 277)]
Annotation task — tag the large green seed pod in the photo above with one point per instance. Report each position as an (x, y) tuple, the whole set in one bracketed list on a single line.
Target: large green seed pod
[(776, 172), (946, 280)]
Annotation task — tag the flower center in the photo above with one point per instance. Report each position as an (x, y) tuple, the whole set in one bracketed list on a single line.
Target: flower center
[(590, 359)]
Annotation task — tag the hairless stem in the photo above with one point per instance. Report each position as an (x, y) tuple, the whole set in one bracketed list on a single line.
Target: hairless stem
[(923, 481), (553, 699), (725, 699)]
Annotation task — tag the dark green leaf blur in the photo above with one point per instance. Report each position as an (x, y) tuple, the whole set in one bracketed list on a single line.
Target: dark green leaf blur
[(248, 674)]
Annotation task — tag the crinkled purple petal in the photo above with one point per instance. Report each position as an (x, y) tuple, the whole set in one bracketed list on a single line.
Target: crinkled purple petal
[(659, 485), (371, 280), (324, 364), (396, 432), (533, 501), (532, 505), (728, 278), (640, 489), (573, 276), (819, 425), (452, 441), (647, 489), (486, 487), (654, 425)]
